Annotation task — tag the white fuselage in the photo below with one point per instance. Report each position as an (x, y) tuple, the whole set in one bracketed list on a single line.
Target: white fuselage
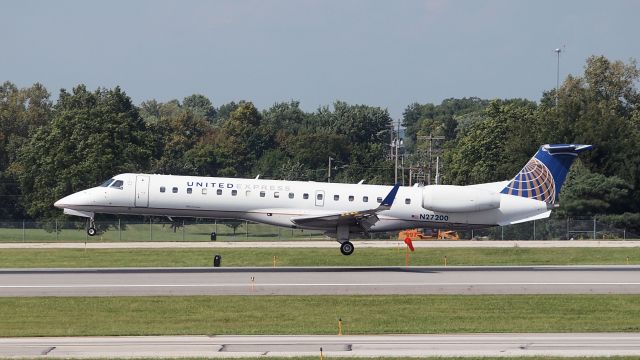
[(276, 202)]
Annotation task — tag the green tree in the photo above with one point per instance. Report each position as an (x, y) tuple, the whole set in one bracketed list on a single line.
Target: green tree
[(281, 121), (270, 164), (587, 194), (200, 105), (223, 112), (203, 158), (600, 108), (314, 149), (240, 143), (91, 137), (496, 148), (173, 137), (150, 111), (440, 120), (22, 112)]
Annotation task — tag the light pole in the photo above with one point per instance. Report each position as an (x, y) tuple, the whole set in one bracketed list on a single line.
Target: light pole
[(396, 158), (395, 145), (329, 177), (558, 51)]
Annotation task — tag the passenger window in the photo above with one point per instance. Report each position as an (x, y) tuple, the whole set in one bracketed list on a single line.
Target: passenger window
[(262, 194), (189, 190), (219, 191), (174, 190), (379, 200), (365, 199), (204, 191), (162, 189), (234, 192), (336, 197), (350, 197), (291, 195), (276, 194), (305, 196), (319, 197), (407, 201)]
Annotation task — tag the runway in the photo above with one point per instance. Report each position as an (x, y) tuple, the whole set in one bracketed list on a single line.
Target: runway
[(591, 344), (321, 281)]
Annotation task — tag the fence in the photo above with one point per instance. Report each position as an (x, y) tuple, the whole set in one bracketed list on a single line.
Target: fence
[(553, 229), (158, 229), (149, 230)]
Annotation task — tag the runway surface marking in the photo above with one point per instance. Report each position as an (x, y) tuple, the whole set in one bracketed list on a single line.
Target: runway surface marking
[(321, 281), (565, 344)]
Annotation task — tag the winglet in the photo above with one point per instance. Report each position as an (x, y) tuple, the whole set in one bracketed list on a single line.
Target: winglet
[(388, 201)]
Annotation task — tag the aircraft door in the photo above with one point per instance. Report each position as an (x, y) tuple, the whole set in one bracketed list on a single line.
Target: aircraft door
[(142, 191), (319, 197)]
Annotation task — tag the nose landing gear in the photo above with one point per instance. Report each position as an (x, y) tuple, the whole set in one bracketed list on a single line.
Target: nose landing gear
[(91, 230)]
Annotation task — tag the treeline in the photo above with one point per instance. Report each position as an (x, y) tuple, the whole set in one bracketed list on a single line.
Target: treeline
[(49, 150), (492, 140)]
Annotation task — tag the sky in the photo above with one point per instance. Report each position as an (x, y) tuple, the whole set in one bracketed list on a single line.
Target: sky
[(381, 53)]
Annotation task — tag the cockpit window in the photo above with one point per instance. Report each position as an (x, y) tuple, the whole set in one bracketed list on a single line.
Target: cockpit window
[(117, 184), (106, 183)]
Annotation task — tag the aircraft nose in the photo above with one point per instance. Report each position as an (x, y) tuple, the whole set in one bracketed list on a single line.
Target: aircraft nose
[(60, 204), (75, 199)]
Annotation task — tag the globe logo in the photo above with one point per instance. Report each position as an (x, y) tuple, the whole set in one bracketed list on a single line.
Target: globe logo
[(533, 181)]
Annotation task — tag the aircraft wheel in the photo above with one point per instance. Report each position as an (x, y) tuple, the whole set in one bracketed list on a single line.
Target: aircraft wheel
[(346, 248), (92, 231)]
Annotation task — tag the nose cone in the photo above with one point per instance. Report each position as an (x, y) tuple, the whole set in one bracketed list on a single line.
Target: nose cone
[(69, 202), (60, 204)]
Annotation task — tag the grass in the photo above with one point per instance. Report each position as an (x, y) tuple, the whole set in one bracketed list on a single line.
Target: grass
[(238, 315), (75, 232), (47, 258)]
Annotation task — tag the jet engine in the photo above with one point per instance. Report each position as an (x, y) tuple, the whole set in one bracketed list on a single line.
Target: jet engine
[(451, 198)]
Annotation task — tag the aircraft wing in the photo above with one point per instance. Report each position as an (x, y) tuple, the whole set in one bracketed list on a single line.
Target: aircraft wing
[(363, 218)]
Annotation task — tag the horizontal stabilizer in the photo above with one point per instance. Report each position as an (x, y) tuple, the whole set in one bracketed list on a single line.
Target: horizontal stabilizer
[(544, 215)]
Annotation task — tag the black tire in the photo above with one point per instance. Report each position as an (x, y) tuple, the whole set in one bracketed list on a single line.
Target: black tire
[(92, 231), (346, 248)]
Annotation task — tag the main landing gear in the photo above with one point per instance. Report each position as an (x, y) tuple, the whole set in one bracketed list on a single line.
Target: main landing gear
[(91, 230), (342, 234), (346, 248)]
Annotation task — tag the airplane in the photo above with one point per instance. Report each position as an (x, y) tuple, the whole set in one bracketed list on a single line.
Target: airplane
[(340, 210)]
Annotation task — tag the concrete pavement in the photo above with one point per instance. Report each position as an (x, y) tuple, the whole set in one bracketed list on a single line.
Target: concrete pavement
[(621, 279), (569, 344)]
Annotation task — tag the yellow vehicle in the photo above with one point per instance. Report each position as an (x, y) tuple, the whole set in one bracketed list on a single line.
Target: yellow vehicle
[(416, 234)]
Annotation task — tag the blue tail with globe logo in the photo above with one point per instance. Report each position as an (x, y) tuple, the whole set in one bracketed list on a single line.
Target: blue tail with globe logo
[(543, 176)]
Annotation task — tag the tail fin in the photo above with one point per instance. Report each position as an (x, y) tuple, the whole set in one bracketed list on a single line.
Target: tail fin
[(543, 176)]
